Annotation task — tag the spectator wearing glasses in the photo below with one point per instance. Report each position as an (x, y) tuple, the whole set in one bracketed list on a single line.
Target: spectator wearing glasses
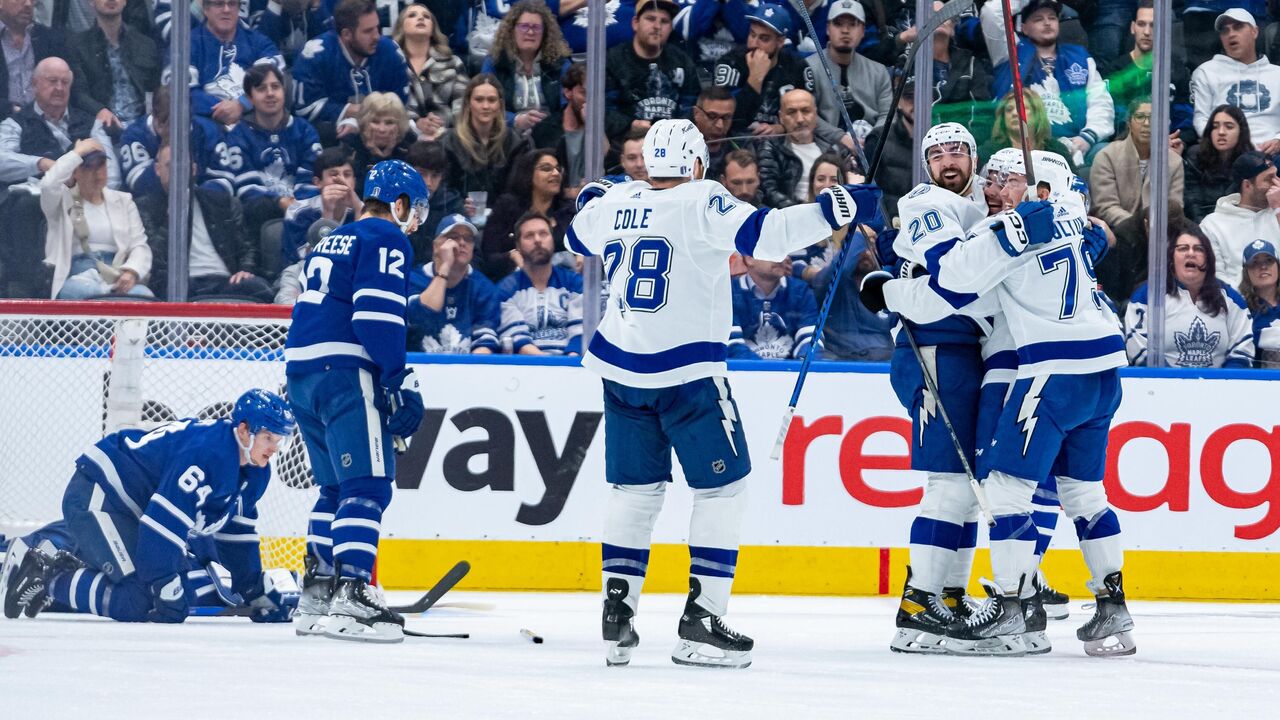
[(528, 58), (1120, 186), (648, 79), (222, 49), (713, 114), (1259, 289), (534, 186)]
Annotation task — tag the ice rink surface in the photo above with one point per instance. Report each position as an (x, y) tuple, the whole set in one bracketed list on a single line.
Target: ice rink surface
[(815, 658)]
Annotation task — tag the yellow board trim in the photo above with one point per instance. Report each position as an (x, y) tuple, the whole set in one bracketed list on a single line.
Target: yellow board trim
[(567, 566)]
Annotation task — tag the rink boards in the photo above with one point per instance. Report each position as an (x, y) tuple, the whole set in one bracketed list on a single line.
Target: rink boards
[(507, 472)]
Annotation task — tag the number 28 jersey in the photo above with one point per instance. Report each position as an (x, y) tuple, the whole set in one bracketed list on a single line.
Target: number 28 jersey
[(666, 260), (351, 309)]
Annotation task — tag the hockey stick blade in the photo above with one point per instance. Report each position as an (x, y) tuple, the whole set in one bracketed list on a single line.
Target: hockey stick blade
[(437, 591), (453, 636), (950, 11)]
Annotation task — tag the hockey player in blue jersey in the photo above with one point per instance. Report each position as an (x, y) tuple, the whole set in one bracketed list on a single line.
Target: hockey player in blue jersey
[(221, 51), (661, 349), (353, 396), (137, 502)]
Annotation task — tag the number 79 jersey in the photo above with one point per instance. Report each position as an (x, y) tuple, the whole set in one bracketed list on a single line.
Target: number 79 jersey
[(351, 309), (666, 258)]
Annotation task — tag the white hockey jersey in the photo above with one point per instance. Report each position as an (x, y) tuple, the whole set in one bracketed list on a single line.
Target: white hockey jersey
[(1048, 294), (1192, 337), (666, 259)]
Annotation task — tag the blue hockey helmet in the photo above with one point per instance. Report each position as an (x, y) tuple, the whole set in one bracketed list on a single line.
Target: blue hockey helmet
[(262, 410), (389, 180)]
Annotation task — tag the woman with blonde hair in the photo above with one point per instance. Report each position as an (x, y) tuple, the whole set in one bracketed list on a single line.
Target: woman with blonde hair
[(95, 243), (384, 134), (529, 58), (480, 147), (1005, 133), (437, 77)]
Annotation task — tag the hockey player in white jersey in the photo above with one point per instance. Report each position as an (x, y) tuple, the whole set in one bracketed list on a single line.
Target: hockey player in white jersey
[(1057, 415), (661, 349)]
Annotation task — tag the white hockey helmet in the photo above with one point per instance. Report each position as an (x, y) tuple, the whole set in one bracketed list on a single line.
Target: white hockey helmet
[(1003, 162), (1052, 170), (671, 146), (949, 133)]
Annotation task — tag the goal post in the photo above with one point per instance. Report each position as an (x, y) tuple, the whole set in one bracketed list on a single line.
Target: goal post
[(72, 372)]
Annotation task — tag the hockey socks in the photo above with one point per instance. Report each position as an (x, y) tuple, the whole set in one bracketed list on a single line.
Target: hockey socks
[(1014, 537), (357, 525), (1097, 526), (84, 591), (947, 522), (631, 514), (1044, 512), (320, 531)]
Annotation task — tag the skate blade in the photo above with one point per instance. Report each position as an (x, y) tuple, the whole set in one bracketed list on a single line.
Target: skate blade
[(12, 559), (345, 627), (309, 625), (1036, 642), (617, 655), (918, 642), (698, 654), (998, 646), (1117, 645), (1058, 612)]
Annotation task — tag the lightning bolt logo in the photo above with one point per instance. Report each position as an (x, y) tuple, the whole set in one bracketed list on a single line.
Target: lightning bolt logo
[(1027, 412), (730, 416), (929, 403)]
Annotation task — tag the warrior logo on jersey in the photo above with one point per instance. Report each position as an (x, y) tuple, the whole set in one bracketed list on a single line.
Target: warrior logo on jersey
[(1197, 345), (1250, 96)]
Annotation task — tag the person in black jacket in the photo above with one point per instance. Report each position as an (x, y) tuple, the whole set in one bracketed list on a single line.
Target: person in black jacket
[(785, 162), (222, 260), (895, 174), (17, 17), (115, 67), (647, 79), (763, 71), (529, 57), (534, 185)]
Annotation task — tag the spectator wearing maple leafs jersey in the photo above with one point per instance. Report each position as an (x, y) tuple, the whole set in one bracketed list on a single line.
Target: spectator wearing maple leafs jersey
[(541, 303), (452, 308), (773, 315)]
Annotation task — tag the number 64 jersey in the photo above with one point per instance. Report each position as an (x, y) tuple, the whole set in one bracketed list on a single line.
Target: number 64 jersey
[(666, 257), (351, 309)]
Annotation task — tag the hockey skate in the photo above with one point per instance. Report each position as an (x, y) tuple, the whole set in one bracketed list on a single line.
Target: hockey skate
[(1033, 615), (1057, 606), (995, 627), (313, 606), (359, 612), (922, 621), (959, 602), (26, 574), (1109, 632), (618, 625), (705, 640)]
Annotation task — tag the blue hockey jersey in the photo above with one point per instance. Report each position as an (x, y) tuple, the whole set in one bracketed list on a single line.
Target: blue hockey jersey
[(618, 14), (273, 163), (181, 478), (217, 68), (550, 319), (326, 78), (468, 320), (351, 309), (777, 327), (139, 144)]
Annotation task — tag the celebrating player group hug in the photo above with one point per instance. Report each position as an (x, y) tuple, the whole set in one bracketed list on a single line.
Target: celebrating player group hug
[(1007, 363)]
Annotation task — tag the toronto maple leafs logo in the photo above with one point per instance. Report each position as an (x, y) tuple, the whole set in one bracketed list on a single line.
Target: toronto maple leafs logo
[(274, 162), (449, 341), (1196, 346), (770, 343), (610, 8), (1077, 75), (1250, 96)]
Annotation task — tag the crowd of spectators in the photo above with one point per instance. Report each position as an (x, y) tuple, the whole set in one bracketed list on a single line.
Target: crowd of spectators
[(292, 102)]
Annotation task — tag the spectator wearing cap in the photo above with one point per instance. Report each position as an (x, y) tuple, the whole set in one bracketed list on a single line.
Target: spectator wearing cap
[(1207, 164), (1200, 41), (1206, 322), (863, 83), (648, 79), (95, 242), (1129, 76), (1242, 78), (117, 66), (1120, 187), (23, 44), (1244, 216), (785, 162), (541, 302), (1081, 112), (762, 71), (452, 307), (1261, 296)]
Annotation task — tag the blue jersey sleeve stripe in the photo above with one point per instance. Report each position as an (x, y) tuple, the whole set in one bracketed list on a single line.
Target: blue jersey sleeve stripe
[(575, 244), (1070, 349), (369, 316), (749, 232), (164, 532), (380, 295), (666, 360)]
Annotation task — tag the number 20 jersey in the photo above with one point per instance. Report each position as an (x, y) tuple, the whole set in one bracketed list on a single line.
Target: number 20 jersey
[(666, 258)]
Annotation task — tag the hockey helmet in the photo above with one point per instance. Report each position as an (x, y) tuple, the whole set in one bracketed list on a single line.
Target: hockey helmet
[(670, 148), (952, 136), (1001, 163), (389, 180), (262, 410)]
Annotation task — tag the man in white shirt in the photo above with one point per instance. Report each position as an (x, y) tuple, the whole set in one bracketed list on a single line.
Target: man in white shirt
[(1244, 216), (785, 162)]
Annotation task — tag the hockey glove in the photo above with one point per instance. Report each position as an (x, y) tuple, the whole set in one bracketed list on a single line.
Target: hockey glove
[(275, 598), (169, 600), (872, 291), (402, 402), (885, 253), (1095, 245), (1031, 223), (593, 190), (844, 204)]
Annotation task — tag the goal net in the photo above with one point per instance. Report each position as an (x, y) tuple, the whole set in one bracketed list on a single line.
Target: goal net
[(72, 372)]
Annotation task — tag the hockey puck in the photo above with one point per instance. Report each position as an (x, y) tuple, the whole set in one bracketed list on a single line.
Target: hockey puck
[(536, 638)]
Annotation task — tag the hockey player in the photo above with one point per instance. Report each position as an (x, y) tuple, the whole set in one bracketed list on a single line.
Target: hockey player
[(136, 501), (352, 394), (1058, 412), (661, 350)]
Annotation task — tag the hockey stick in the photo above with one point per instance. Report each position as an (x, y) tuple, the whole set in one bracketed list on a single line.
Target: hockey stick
[(1015, 71), (415, 633), (948, 12)]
